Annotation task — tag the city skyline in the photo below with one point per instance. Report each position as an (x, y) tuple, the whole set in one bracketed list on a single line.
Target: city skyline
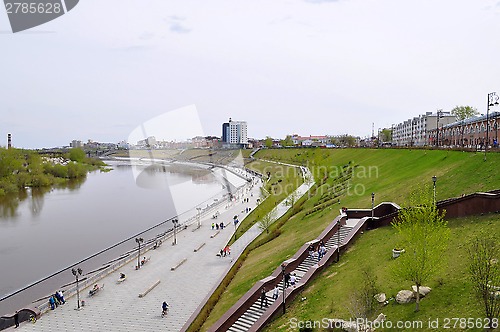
[(311, 67)]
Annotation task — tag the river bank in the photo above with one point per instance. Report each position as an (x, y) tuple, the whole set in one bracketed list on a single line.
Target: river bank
[(21, 169), (119, 208)]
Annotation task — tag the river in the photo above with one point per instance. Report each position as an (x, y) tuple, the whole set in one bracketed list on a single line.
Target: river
[(44, 232)]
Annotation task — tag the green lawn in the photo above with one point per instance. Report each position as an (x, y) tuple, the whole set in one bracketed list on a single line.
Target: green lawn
[(347, 177), (329, 296)]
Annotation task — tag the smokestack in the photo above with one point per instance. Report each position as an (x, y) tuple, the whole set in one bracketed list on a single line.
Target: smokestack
[(9, 140)]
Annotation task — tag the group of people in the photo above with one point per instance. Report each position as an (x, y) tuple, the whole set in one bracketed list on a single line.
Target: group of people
[(226, 251), (218, 226), (319, 252), (263, 296), (290, 279), (56, 299)]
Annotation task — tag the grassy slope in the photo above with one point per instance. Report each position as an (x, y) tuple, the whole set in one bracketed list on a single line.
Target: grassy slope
[(329, 295), (395, 173), (398, 172)]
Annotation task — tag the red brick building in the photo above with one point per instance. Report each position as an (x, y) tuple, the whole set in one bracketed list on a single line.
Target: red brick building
[(469, 133)]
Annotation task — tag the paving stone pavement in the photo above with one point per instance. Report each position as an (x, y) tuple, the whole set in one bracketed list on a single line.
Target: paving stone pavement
[(118, 306)]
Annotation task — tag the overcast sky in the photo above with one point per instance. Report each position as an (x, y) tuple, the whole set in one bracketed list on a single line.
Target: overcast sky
[(310, 67)]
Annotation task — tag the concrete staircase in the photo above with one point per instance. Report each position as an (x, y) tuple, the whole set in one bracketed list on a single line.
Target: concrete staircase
[(255, 311)]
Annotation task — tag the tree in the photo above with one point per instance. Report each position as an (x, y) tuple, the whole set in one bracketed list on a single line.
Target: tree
[(386, 135), (424, 235), (362, 301), (77, 154), (287, 141), (484, 269), (464, 112), (347, 141), (268, 142), (267, 221), (292, 198)]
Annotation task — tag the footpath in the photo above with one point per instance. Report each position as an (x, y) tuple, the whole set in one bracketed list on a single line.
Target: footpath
[(118, 307)]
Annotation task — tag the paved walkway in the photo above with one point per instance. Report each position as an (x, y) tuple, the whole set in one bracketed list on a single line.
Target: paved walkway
[(118, 306)]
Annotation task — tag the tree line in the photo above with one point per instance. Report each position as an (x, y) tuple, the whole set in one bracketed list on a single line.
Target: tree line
[(20, 168)]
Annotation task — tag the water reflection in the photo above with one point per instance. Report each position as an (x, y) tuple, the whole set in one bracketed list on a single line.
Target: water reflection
[(34, 197), (9, 205)]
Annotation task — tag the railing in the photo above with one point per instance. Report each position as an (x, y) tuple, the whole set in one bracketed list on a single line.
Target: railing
[(246, 301), (383, 213), (54, 281)]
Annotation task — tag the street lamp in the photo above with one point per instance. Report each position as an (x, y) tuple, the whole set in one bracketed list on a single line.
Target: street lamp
[(199, 219), (176, 224), (283, 270), (338, 239), (434, 179), (373, 201), (139, 240), (439, 115), (492, 101), (76, 273)]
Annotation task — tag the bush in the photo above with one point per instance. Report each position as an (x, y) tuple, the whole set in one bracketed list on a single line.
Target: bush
[(77, 154)]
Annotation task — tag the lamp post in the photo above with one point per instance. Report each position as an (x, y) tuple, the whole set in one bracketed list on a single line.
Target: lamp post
[(175, 222), (373, 201), (76, 273), (434, 179), (412, 129), (338, 239), (283, 270), (139, 240), (492, 101), (439, 114), (462, 138), (199, 217)]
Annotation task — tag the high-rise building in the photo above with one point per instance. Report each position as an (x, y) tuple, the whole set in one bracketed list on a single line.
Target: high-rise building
[(235, 133)]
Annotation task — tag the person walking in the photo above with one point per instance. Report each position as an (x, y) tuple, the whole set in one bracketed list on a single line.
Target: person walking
[(287, 280), (164, 308), (60, 297), (276, 292), (263, 298), (52, 303)]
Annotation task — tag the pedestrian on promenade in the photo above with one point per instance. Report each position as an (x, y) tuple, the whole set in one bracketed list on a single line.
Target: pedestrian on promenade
[(60, 297), (221, 253), (16, 319), (287, 280), (293, 279), (217, 226), (263, 298), (52, 303), (276, 292), (213, 225), (221, 225), (56, 300)]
